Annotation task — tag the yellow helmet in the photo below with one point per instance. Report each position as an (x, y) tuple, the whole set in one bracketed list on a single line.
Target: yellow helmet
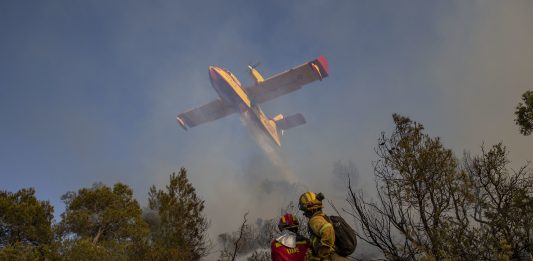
[(310, 201)]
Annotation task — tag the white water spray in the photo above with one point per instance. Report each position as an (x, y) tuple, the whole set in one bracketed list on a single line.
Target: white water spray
[(273, 152)]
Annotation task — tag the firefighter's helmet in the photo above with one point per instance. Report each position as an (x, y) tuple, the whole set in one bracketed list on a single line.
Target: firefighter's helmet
[(287, 221), (310, 201)]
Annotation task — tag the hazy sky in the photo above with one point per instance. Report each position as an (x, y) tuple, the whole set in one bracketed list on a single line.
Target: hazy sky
[(89, 91)]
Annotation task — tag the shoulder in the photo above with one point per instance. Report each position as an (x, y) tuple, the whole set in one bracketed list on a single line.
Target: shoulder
[(275, 244), (316, 222), (319, 223), (318, 219)]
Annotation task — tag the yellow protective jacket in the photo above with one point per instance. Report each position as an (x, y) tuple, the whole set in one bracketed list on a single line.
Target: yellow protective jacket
[(322, 239), (322, 236)]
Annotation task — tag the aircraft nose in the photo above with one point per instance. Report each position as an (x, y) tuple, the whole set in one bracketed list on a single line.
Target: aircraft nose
[(212, 72)]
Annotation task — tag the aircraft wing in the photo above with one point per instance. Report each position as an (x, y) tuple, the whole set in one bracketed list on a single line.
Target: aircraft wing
[(288, 81), (206, 113)]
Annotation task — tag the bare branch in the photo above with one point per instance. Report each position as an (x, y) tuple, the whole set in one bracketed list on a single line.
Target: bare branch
[(240, 237)]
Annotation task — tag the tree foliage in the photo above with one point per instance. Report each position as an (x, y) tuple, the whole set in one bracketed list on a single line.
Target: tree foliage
[(25, 226), (178, 231), (24, 219), (503, 206), (524, 113), (20, 251), (415, 178), (101, 222), (430, 207)]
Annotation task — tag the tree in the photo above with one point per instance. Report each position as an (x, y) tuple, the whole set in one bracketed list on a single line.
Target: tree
[(245, 240), (25, 226), (524, 113), (503, 202), (178, 231), (255, 239), (430, 207), (418, 185), (101, 223), (251, 239), (24, 219)]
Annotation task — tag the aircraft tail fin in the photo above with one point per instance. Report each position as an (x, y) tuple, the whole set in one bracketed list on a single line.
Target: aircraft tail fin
[(285, 123)]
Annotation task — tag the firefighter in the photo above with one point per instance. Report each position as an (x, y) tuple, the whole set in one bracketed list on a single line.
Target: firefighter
[(289, 245), (320, 228)]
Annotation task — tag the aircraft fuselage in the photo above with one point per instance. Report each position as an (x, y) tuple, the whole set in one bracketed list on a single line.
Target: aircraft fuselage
[(231, 92)]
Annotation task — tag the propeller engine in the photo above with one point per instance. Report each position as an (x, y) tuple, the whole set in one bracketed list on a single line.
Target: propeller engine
[(255, 74)]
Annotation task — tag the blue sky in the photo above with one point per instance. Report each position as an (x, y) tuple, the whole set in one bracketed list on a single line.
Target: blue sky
[(89, 90)]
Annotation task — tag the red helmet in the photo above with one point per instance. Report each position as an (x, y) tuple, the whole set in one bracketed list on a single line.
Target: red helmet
[(287, 221)]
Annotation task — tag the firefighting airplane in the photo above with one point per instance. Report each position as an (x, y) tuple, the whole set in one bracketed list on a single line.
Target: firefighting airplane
[(236, 98)]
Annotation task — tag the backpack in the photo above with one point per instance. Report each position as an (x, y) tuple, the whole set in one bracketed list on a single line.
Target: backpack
[(345, 238)]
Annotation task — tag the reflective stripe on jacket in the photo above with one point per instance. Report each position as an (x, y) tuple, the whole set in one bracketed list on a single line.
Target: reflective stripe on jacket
[(280, 252)]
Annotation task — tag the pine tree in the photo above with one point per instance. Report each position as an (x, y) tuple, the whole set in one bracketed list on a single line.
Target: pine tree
[(25, 226), (179, 226), (101, 223)]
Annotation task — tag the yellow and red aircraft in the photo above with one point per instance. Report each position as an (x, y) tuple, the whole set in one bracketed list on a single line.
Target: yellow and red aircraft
[(236, 98)]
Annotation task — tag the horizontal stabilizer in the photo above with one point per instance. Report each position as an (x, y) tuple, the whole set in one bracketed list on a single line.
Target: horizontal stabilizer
[(292, 121)]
